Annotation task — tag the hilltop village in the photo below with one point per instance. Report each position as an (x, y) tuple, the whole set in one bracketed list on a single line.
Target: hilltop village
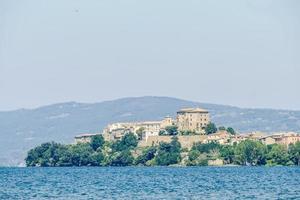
[(192, 125), (189, 140)]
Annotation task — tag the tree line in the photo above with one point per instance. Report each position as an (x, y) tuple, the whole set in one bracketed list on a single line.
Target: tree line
[(125, 152), (209, 129)]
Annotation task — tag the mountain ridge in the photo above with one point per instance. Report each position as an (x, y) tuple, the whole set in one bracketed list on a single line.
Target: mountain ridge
[(139, 97)]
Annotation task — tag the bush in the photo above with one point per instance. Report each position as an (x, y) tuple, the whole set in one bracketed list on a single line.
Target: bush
[(278, 155), (128, 142), (147, 154), (97, 141), (169, 130), (46, 155), (123, 158), (294, 152), (195, 158), (207, 147), (168, 153), (211, 128), (250, 152), (118, 153), (231, 131), (227, 153)]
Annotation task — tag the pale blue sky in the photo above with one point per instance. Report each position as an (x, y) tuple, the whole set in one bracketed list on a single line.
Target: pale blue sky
[(237, 52)]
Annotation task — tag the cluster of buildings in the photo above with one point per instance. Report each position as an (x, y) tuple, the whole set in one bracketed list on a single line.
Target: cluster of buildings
[(189, 119), (143, 130), (194, 120), (283, 138)]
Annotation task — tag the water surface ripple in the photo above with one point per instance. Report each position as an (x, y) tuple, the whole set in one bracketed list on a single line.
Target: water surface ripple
[(150, 183)]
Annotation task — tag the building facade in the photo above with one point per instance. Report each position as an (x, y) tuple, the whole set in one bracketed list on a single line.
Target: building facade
[(221, 137), (116, 131), (288, 138), (268, 140), (192, 119)]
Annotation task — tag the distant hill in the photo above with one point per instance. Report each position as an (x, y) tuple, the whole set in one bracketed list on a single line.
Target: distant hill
[(23, 129)]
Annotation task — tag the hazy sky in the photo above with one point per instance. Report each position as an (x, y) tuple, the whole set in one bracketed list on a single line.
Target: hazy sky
[(238, 52)]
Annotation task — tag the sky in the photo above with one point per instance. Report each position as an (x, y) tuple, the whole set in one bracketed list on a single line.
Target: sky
[(238, 52)]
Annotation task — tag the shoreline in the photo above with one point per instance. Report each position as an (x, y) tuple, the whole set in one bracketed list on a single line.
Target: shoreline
[(169, 166)]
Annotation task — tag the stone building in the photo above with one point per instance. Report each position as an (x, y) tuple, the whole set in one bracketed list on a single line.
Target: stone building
[(221, 137), (287, 138), (281, 138), (192, 119), (268, 140), (85, 138)]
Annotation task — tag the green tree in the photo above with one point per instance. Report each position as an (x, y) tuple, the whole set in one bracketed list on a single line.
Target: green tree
[(162, 132), (168, 153), (211, 128), (45, 155), (97, 141), (81, 154), (187, 132), (32, 158), (118, 153), (278, 155), (65, 156), (201, 153), (206, 147), (147, 154), (222, 128), (231, 130), (195, 158), (294, 152), (123, 158), (172, 130), (250, 152), (140, 133), (227, 153), (96, 159), (128, 142)]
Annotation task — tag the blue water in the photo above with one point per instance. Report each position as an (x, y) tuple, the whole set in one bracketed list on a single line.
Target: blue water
[(150, 183)]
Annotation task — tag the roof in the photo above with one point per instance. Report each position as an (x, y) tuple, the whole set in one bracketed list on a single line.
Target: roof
[(254, 135), (87, 135), (149, 122), (134, 123), (283, 134), (192, 110), (269, 136), (220, 133)]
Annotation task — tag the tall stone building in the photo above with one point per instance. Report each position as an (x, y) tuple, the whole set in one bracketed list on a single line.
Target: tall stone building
[(192, 119)]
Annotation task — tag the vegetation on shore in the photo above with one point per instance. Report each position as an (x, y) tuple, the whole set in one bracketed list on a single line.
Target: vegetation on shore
[(126, 152), (211, 128)]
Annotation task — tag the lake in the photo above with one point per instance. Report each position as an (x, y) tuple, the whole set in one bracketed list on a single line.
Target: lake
[(150, 183)]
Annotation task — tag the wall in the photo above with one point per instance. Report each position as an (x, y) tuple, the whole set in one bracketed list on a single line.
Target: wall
[(185, 141)]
